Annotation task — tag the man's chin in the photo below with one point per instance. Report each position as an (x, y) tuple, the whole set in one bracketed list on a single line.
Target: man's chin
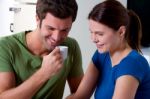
[(50, 48)]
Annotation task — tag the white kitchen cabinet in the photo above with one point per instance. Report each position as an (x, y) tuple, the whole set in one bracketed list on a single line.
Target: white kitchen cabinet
[(29, 1), (16, 16), (25, 18), (6, 17)]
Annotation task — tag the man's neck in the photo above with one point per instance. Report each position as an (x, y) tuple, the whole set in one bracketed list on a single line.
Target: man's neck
[(34, 44)]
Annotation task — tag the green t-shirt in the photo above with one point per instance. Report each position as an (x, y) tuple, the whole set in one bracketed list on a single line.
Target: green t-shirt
[(15, 57)]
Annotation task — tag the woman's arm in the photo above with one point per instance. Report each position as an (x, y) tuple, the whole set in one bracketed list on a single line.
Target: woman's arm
[(126, 87), (87, 84)]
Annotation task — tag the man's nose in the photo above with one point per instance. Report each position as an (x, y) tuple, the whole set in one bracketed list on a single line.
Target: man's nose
[(56, 35)]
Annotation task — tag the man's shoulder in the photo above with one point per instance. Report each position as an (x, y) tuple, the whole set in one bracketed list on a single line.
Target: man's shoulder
[(71, 43), (70, 40), (3, 38), (10, 39)]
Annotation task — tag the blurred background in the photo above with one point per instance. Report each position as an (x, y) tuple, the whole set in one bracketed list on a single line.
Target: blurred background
[(19, 15)]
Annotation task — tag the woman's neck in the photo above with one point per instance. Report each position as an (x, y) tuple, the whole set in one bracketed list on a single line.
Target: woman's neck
[(120, 54)]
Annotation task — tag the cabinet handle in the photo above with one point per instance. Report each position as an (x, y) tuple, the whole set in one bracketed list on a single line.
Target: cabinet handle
[(11, 27), (15, 9)]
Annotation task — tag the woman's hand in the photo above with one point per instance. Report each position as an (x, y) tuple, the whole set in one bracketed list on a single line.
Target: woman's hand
[(70, 96)]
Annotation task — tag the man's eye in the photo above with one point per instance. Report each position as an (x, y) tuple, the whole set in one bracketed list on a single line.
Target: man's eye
[(51, 29), (66, 30)]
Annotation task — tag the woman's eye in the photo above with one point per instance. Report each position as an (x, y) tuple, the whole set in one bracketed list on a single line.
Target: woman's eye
[(99, 34)]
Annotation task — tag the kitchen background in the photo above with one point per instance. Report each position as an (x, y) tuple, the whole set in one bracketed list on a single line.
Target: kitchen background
[(19, 15)]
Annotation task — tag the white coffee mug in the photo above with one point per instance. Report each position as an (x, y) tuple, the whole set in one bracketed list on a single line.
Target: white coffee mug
[(64, 51)]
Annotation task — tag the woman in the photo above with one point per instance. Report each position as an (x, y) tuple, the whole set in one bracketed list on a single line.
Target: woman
[(117, 70)]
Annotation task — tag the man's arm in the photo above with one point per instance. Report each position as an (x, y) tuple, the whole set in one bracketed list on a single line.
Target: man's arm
[(51, 65), (76, 73), (24, 91), (7, 81), (74, 83)]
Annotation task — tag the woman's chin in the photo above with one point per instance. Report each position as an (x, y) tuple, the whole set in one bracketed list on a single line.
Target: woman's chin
[(101, 51)]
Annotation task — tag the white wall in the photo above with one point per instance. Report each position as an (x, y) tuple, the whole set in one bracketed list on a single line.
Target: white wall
[(79, 30), (25, 19)]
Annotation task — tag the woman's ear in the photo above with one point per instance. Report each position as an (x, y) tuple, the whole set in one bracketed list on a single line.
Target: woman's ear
[(122, 31)]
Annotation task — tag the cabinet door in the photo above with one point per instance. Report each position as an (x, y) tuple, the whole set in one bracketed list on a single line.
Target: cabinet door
[(25, 19), (29, 1), (6, 17)]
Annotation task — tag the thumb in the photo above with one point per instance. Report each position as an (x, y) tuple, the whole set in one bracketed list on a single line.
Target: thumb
[(56, 50)]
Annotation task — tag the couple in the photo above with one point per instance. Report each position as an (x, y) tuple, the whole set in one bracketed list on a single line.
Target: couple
[(31, 65)]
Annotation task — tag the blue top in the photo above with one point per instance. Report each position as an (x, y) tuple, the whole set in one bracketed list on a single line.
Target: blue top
[(133, 64)]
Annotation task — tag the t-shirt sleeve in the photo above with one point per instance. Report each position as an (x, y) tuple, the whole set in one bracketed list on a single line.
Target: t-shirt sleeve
[(98, 59), (76, 58), (95, 59), (136, 68), (5, 59)]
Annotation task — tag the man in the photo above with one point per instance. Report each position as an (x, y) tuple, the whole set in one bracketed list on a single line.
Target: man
[(31, 65)]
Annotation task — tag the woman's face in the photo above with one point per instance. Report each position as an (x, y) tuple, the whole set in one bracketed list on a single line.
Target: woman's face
[(105, 38)]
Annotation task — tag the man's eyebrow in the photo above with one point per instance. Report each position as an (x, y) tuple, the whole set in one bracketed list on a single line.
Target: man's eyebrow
[(67, 28), (50, 26)]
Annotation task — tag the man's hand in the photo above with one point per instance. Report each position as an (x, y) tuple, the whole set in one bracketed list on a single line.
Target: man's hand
[(52, 63)]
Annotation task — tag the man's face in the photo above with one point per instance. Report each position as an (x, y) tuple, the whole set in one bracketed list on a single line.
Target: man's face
[(53, 30)]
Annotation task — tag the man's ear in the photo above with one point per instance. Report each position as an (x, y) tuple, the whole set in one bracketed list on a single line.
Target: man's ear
[(122, 31), (37, 20)]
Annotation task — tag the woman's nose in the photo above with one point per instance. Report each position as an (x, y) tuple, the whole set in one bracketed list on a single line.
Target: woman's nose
[(94, 38)]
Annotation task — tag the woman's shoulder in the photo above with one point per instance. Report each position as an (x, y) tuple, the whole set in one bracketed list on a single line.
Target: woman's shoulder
[(136, 58), (136, 61)]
